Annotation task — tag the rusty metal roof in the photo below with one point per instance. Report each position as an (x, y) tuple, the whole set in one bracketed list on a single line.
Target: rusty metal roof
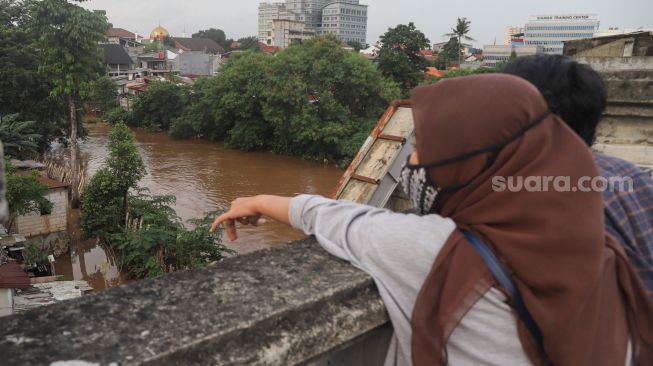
[(373, 175), (13, 276)]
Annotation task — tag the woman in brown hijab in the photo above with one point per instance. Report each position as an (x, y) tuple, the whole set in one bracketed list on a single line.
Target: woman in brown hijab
[(471, 135)]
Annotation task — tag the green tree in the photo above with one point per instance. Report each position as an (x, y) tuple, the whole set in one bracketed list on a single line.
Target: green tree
[(449, 54), (68, 37), (461, 31), (25, 194), (124, 162), (160, 104), (144, 230), (18, 137), (513, 56), (316, 100), (103, 95), (249, 43), (357, 46), (399, 57), (217, 35), (23, 89)]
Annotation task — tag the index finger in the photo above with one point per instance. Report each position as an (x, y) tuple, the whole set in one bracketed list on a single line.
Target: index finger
[(218, 220)]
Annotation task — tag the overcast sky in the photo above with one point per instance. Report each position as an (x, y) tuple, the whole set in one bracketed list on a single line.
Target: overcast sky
[(238, 18)]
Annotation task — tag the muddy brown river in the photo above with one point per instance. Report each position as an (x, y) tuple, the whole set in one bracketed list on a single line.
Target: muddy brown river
[(204, 176)]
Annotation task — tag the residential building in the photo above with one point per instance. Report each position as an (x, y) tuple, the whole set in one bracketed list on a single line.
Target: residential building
[(154, 64), (347, 20), (510, 32), (267, 12), (286, 32), (494, 55), (117, 59), (550, 31)]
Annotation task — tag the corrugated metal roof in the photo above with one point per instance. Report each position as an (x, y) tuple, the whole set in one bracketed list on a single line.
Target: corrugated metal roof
[(373, 175), (13, 276)]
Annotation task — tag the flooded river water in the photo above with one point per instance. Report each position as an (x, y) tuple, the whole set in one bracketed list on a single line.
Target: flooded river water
[(204, 176)]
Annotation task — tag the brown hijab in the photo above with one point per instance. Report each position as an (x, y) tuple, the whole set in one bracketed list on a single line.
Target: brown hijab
[(575, 280)]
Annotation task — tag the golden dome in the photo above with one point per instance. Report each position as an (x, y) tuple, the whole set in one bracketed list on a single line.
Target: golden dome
[(158, 31)]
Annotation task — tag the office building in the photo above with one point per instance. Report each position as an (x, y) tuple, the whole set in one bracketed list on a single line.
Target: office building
[(347, 19), (494, 55), (549, 31), (511, 31)]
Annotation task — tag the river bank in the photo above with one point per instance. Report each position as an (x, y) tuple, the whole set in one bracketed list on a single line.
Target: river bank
[(203, 176)]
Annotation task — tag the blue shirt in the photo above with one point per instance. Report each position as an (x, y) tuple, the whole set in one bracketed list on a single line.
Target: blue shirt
[(629, 213)]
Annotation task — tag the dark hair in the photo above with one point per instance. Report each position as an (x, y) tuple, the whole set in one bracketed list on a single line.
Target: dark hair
[(573, 91)]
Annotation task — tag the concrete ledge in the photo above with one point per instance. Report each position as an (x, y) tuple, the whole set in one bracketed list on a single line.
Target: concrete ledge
[(289, 305)]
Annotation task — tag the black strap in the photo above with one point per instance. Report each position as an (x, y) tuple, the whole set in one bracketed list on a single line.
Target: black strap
[(503, 278)]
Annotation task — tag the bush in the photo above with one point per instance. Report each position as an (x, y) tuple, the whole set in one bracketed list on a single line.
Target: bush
[(160, 104), (144, 230), (181, 129), (117, 115)]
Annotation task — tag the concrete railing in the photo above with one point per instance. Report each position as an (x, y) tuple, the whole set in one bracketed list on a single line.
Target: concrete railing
[(289, 305)]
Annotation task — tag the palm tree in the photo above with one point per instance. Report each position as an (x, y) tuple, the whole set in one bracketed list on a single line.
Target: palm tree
[(18, 137), (460, 32)]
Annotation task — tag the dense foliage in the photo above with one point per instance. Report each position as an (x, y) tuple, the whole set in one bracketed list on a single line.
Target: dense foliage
[(316, 100), (103, 95), (19, 138), (68, 49), (25, 194), (449, 55), (159, 105), (248, 43), (461, 72), (217, 35), (144, 231), (399, 57), (23, 90)]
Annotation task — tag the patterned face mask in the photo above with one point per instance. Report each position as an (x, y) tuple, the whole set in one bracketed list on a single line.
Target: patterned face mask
[(419, 188)]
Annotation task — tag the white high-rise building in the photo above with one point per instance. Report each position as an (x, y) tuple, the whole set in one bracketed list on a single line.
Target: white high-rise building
[(549, 31), (345, 18)]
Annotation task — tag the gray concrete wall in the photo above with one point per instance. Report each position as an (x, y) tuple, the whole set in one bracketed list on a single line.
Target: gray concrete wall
[(197, 63), (618, 63), (627, 127), (290, 305)]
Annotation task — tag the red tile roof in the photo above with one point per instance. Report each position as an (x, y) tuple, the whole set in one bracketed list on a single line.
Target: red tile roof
[(425, 52), (52, 183), (121, 33), (432, 71), (268, 49), (13, 276)]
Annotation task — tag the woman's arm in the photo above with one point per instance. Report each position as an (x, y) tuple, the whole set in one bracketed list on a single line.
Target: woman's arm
[(248, 211)]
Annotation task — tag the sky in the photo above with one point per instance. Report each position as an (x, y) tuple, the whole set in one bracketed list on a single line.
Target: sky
[(489, 19)]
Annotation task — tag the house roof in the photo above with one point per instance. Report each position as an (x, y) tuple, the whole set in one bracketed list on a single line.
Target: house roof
[(52, 183), (13, 276), (199, 44), (120, 33), (267, 48), (432, 71), (115, 54)]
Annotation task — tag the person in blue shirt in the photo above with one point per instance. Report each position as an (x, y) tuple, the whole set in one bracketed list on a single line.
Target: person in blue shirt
[(577, 94)]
